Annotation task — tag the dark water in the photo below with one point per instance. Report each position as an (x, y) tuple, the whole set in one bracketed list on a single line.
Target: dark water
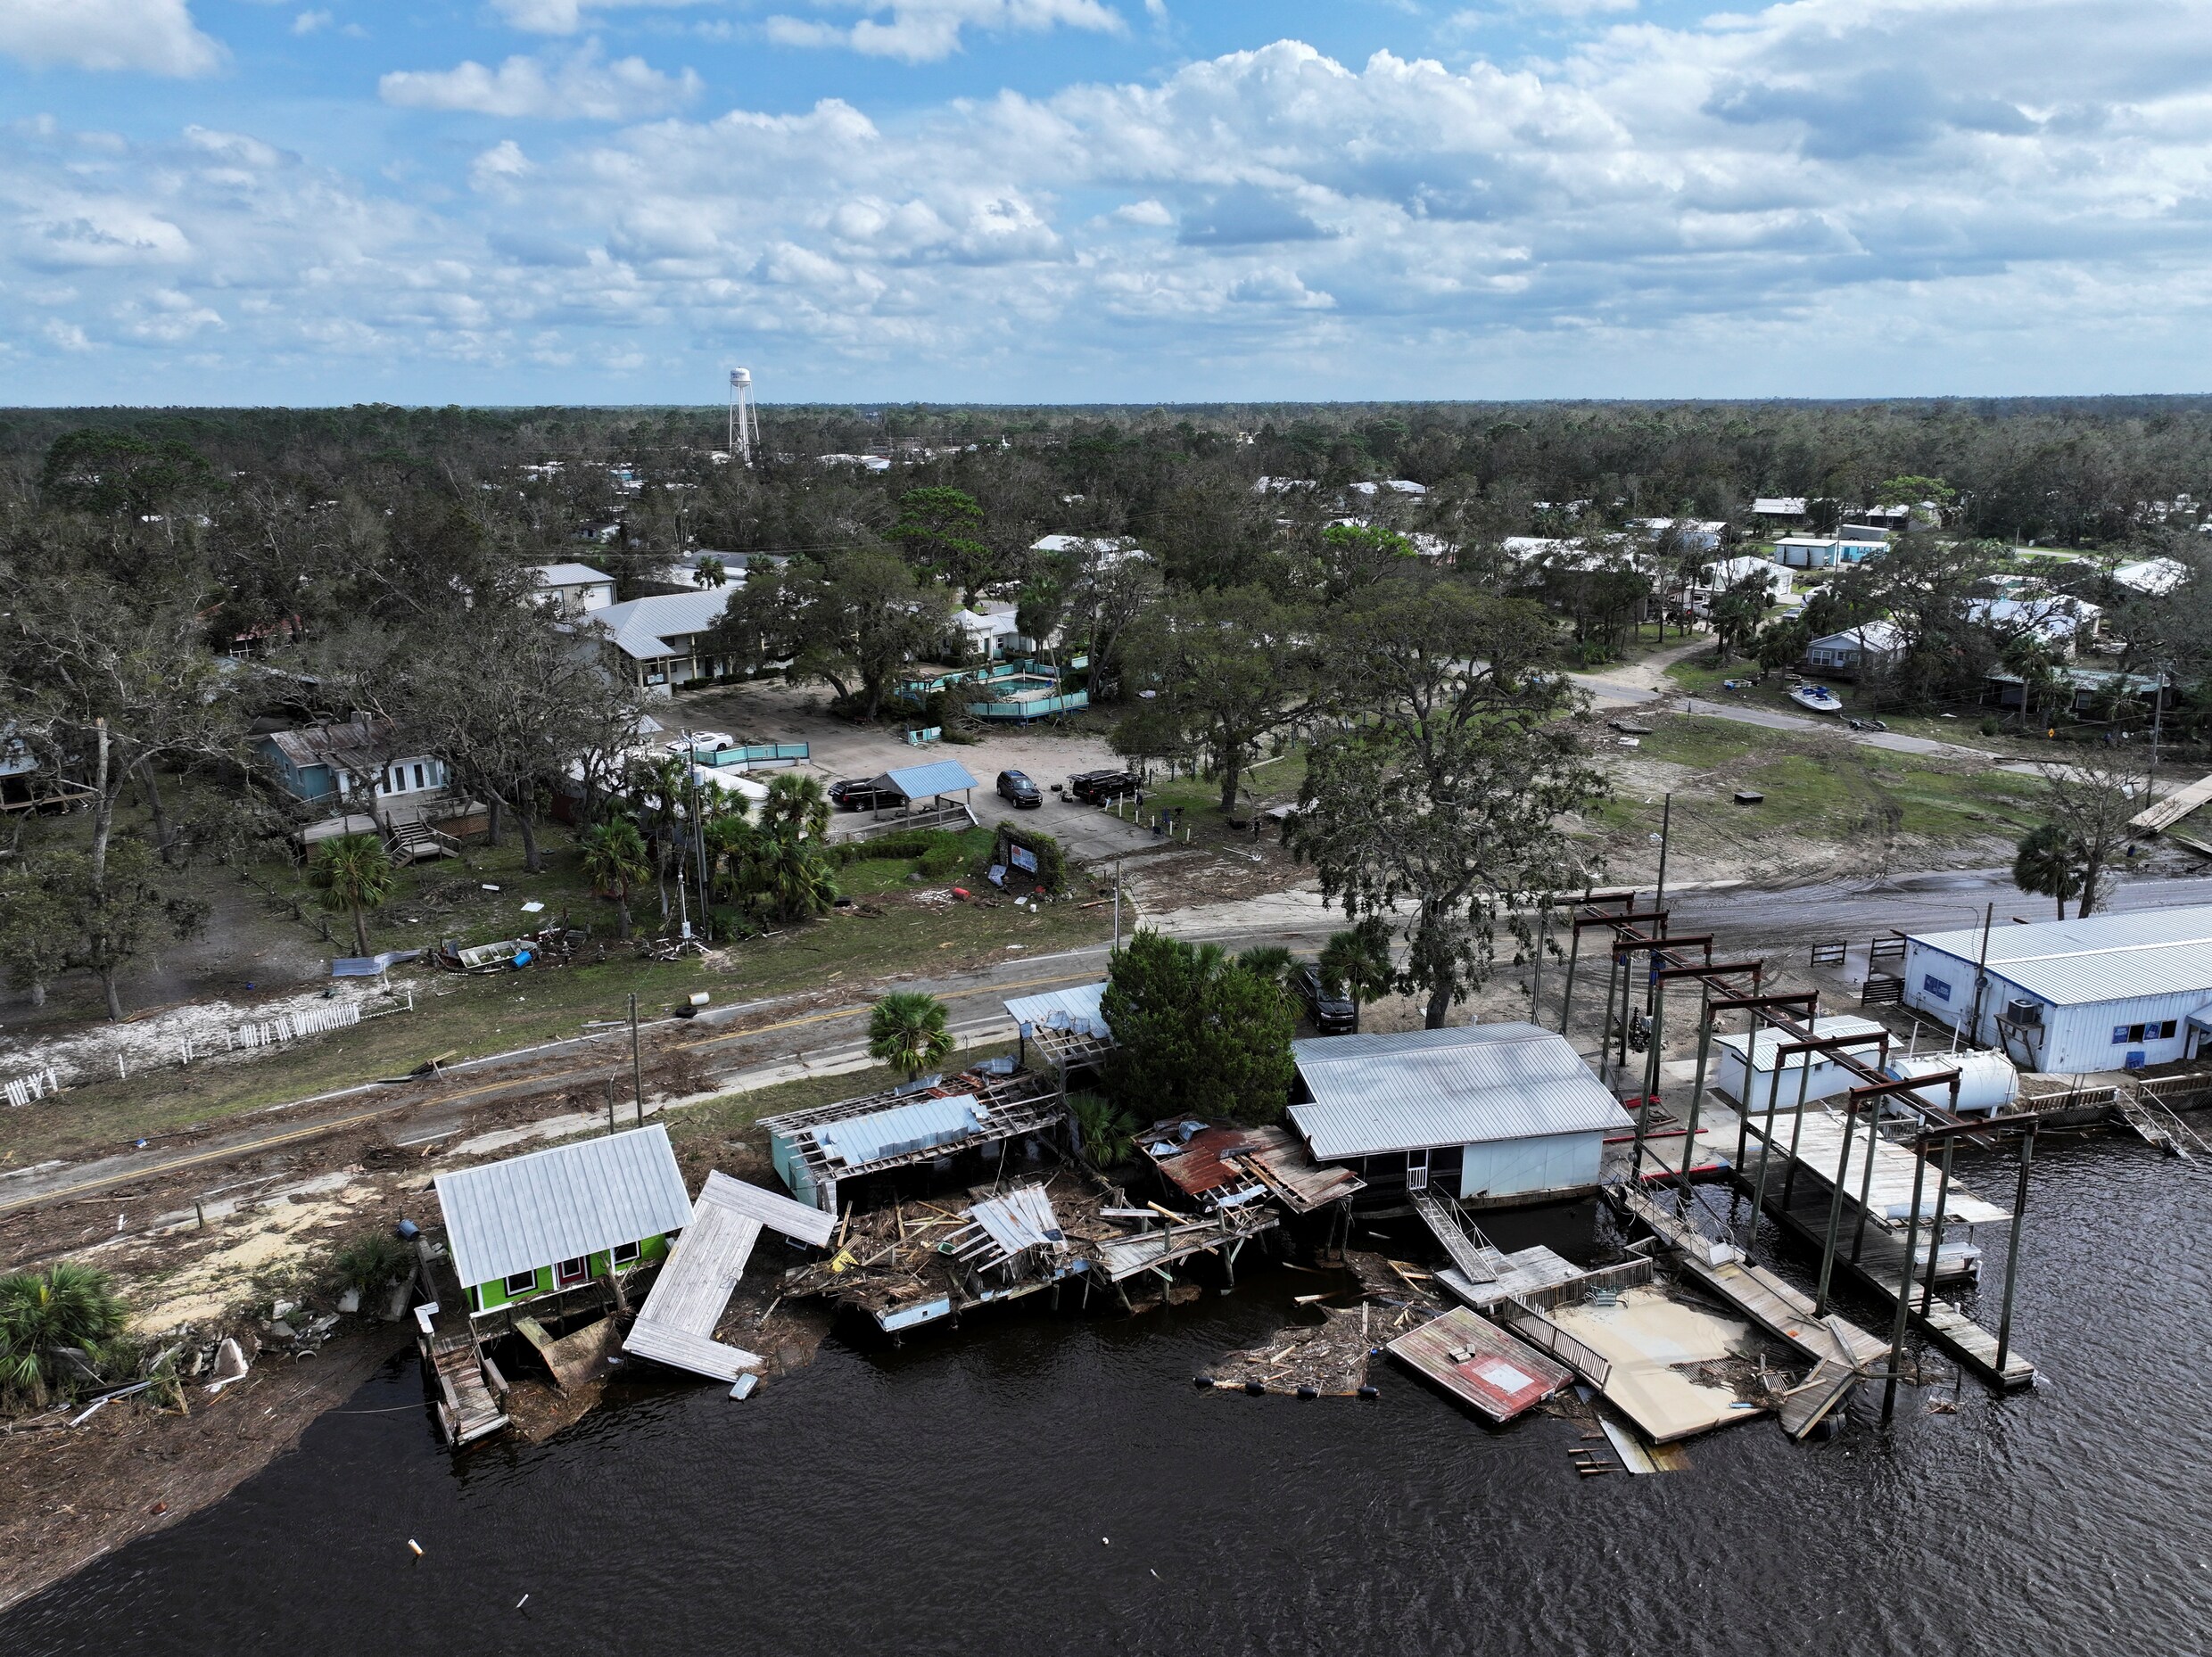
[(953, 1498)]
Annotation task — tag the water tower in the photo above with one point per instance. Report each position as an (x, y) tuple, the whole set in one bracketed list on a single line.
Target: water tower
[(744, 419)]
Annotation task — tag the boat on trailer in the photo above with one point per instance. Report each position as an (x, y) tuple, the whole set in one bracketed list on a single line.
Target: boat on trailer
[(1819, 699)]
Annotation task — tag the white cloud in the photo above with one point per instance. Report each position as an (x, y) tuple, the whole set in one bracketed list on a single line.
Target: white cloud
[(311, 22), (922, 31), (1711, 209), (157, 37), (577, 87), (566, 17)]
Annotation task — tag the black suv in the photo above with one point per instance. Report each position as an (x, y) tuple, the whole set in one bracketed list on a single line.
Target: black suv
[(1097, 788), (1016, 786), (1333, 1012), (857, 793)]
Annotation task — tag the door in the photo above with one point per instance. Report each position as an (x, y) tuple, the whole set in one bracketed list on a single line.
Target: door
[(1416, 1170), (568, 1274)]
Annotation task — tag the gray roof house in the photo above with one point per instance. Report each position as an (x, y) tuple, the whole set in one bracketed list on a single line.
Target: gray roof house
[(1492, 1113), (660, 641)]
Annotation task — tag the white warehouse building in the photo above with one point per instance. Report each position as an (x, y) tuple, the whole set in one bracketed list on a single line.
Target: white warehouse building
[(2110, 993)]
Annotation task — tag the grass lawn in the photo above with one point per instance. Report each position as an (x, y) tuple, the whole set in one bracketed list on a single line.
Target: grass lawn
[(1821, 788), (470, 1016)]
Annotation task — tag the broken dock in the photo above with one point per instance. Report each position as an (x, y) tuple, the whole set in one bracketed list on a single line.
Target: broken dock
[(676, 1324)]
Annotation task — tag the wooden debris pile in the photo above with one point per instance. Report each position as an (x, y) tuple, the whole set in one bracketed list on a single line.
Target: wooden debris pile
[(1328, 1361)]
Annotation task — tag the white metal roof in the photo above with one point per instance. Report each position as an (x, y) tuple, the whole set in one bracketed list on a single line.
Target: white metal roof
[(2106, 958), (1080, 1002), (569, 574), (1877, 636), (643, 627), (556, 1205), (1374, 1094), (1767, 1040), (1780, 505)]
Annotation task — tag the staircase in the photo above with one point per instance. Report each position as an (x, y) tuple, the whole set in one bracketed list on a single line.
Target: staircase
[(1471, 1251), (410, 842), (2143, 1114), (468, 1405)]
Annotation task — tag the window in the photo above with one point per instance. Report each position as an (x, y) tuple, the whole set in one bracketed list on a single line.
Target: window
[(625, 1253), (521, 1284), (2155, 1031), (1930, 985), (570, 1273), (419, 776)]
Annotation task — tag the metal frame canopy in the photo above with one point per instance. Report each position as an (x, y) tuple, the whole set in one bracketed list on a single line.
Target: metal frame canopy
[(929, 782)]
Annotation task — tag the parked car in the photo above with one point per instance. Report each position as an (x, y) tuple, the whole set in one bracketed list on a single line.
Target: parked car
[(859, 793), (1333, 1012), (713, 741), (1097, 788), (1015, 787)]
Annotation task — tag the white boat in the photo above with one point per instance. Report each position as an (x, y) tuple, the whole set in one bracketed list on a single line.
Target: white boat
[(1820, 698)]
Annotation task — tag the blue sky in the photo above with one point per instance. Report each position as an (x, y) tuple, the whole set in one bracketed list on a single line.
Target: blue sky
[(593, 201)]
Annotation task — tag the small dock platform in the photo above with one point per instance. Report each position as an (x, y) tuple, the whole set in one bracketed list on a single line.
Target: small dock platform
[(1880, 1228), (1479, 1364), (676, 1324)]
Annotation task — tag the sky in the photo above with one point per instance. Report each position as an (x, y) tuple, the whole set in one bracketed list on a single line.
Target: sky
[(499, 201)]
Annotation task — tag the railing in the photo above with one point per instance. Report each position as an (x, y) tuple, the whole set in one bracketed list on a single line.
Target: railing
[(1539, 1332), (934, 818), (1042, 707), (754, 753), (1628, 1274)]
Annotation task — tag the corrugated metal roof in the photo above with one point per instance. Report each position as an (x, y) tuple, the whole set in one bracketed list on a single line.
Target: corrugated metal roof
[(920, 783), (643, 627), (1080, 1002), (1767, 1041), (569, 575), (892, 1133), (560, 1204), (2106, 958), (1464, 1086)]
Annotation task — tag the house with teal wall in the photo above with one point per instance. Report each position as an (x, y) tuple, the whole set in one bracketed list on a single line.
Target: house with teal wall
[(553, 1221)]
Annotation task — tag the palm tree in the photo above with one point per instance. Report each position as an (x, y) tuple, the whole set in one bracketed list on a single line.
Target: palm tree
[(2049, 863), (354, 874), (67, 1305), (1270, 961), (797, 803), (906, 1031), (614, 860)]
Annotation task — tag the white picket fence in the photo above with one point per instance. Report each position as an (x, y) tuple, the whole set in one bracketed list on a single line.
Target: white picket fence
[(275, 1032), (38, 1084)]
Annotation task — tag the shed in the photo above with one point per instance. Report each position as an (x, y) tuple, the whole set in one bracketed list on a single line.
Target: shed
[(1066, 1026), (557, 1220), (1757, 1053), (1492, 1112), (814, 1150), (2110, 993)]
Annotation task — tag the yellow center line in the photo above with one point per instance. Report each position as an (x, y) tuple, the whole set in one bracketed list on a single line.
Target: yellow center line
[(338, 1124)]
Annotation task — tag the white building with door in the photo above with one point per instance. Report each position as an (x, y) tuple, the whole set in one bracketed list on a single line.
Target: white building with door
[(572, 590), (2110, 993), (1491, 1113)]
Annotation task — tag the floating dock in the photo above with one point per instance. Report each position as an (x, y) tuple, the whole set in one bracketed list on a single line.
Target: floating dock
[(1479, 1364)]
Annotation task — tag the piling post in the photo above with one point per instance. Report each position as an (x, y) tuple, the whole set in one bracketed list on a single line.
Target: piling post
[(636, 1062), (1866, 1187), (1536, 978), (1766, 1141), (1697, 1091), (1936, 1232), (1835, 1204), (1604, 1032), (610, 1106), (1797, 1127), (1905, 1288), (1651, 1082), (2012, 1250), (1566, 1001), (1628, 1000)]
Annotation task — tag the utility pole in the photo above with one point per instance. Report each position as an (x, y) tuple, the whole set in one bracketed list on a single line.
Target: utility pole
[(637, 1063), (1117, 905)]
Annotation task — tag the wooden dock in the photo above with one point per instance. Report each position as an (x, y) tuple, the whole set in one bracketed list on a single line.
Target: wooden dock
[(1888, 1187), (676, 1324), (1769, 1301)]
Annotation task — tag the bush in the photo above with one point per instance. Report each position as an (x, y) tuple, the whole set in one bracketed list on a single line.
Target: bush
[(905, 842), (371, 1262), (941, 858), (1107, 1131), (40, 1312), (1052, 870)]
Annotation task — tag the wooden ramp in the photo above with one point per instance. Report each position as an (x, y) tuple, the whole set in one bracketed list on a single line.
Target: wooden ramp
[(2162, 814), (469, 1408), (676, 1324), (1806, 1406)]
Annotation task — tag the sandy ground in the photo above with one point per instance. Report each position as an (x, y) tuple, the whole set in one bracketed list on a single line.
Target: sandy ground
[(158, 1036)]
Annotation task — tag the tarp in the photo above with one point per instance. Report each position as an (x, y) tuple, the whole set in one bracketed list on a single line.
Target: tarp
[(370, 966)]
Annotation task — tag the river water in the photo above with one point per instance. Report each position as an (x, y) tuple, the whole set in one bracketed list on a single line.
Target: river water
[(1034, 1485)]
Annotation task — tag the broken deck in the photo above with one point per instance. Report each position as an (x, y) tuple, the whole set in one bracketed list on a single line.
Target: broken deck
[(1479, 1364), (676, 1324)]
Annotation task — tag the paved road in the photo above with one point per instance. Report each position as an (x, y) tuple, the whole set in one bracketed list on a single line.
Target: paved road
[(751, 1043)]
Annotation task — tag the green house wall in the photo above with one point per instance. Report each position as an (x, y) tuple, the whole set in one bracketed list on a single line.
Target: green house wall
[(492, 1296)]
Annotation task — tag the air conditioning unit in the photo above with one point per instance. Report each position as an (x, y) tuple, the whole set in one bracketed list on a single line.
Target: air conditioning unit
[(2020, 1009)]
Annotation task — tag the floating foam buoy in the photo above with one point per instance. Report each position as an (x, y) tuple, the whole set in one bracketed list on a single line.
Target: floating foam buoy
[(414, 1547)]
